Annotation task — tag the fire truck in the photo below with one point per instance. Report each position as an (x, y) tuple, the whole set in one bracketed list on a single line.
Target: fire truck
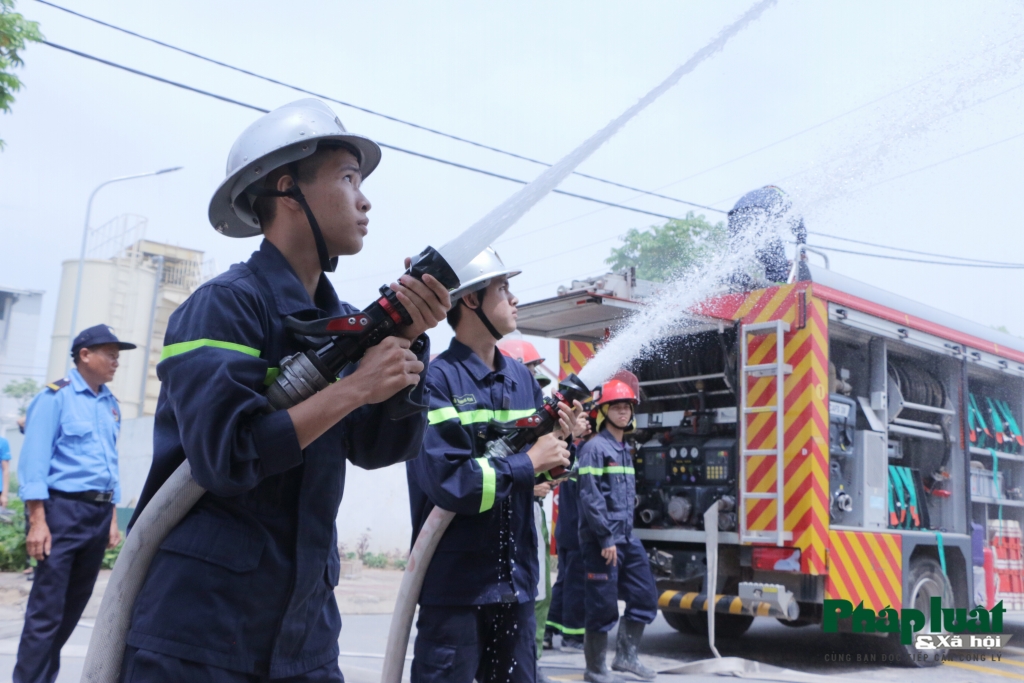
[(861, 446)]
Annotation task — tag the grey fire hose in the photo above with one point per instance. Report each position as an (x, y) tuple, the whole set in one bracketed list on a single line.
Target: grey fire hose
[(409, 593), (168, 506)]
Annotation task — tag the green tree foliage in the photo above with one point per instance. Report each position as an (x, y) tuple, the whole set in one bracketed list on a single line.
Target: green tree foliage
[(15, 32), (23, 390), (662, 251)]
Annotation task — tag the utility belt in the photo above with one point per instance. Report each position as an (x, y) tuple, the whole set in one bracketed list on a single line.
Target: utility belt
[(87, 496)]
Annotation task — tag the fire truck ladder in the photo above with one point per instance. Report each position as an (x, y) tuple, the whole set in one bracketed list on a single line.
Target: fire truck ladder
[(778, 370)]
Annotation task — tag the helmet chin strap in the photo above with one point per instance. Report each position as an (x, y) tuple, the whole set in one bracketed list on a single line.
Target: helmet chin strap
[(327, 263), (479, 311)]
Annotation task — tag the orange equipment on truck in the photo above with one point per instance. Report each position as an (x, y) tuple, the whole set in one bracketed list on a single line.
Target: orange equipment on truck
[(859, 444)]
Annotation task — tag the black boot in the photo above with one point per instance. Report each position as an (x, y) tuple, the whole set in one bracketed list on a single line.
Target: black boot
[(595, 645), (549, 639), (626, 659)]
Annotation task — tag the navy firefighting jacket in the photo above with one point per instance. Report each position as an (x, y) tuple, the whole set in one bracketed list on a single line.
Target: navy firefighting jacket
[(607, 490), (246, 580), (489, 553)]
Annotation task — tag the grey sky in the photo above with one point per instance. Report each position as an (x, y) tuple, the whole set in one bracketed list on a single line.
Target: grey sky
[(537, 78)]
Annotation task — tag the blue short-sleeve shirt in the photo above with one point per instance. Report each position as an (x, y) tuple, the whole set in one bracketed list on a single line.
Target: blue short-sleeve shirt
[(70, 441)]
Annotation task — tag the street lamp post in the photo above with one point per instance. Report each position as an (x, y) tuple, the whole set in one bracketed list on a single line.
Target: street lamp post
[(81, 255)]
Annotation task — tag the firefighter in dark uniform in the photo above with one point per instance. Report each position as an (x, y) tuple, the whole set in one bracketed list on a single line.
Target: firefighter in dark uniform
[(567, 599), (68, 478), (615, 562), (476, 617), (242, 589)]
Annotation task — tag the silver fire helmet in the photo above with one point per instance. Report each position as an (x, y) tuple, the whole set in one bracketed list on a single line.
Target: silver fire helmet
[(479, 272), (285, 135)]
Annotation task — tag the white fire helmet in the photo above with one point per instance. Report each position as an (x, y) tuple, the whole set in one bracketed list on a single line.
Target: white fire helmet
[(479, 272), (283, 136)]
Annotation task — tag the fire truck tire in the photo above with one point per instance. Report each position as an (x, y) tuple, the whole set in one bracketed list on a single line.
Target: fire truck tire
[(679, 622), (926, 581), (727, 626)]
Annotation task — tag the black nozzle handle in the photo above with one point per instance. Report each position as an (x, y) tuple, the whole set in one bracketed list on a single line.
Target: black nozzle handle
[(573, 389), (431, 261)]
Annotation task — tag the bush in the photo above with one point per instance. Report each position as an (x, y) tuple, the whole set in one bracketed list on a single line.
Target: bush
[(13, 556), (375, 560), (110, 556)]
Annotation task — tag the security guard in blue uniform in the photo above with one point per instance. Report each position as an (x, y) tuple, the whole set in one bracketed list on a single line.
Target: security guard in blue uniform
[(476, 617), (567, 599), (69, 481), (615, 561), (243, 588)]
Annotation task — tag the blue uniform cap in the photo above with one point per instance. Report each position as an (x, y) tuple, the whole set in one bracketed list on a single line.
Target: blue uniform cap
[(96, 335)]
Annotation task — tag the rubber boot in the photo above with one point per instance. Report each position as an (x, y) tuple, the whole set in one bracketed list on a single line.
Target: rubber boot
[(595, 646), (626, 648)]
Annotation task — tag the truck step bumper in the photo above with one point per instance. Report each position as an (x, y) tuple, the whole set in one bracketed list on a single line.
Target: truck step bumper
[(678, 601)]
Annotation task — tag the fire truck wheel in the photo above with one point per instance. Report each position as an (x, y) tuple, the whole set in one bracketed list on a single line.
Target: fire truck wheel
[(926, 581), (727, 626), (679, 622)]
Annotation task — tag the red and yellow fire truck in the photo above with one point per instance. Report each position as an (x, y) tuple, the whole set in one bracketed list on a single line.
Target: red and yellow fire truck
[(861, 446)]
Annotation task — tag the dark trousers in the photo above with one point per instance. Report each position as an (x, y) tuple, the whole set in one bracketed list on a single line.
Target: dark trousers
[(145, 666), (630, 580), (567, 606), (63, 584), (488, 643)]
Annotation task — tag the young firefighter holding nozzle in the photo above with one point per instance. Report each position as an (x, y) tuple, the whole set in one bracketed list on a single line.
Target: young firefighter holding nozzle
[(476, 617), (242, 589), (615, 561)]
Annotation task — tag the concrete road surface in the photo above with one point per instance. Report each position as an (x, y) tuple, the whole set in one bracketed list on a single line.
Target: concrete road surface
[(804, 650), (367, 599)]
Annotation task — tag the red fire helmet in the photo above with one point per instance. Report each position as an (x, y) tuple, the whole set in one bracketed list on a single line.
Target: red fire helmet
[(520, 349), (615, 390)]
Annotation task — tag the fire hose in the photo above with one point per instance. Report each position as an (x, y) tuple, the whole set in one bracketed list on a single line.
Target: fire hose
[(344, 340)]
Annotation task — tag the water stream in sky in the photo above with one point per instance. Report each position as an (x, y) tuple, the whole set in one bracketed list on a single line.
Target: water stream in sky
[(461, 250)]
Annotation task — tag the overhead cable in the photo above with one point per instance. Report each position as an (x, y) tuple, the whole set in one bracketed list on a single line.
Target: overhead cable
[(915, 260), (403, 150), (365, 110), (914, 251), (938, 72)]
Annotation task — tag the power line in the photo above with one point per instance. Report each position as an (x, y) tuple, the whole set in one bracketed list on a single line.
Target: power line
[(365, 110), (913, 251), (902, 175), (937, 72), (915, 260), (395, 148)]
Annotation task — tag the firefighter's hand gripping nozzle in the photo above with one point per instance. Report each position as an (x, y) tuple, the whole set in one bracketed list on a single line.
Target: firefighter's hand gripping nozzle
[(519, 434), (337, 342)]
